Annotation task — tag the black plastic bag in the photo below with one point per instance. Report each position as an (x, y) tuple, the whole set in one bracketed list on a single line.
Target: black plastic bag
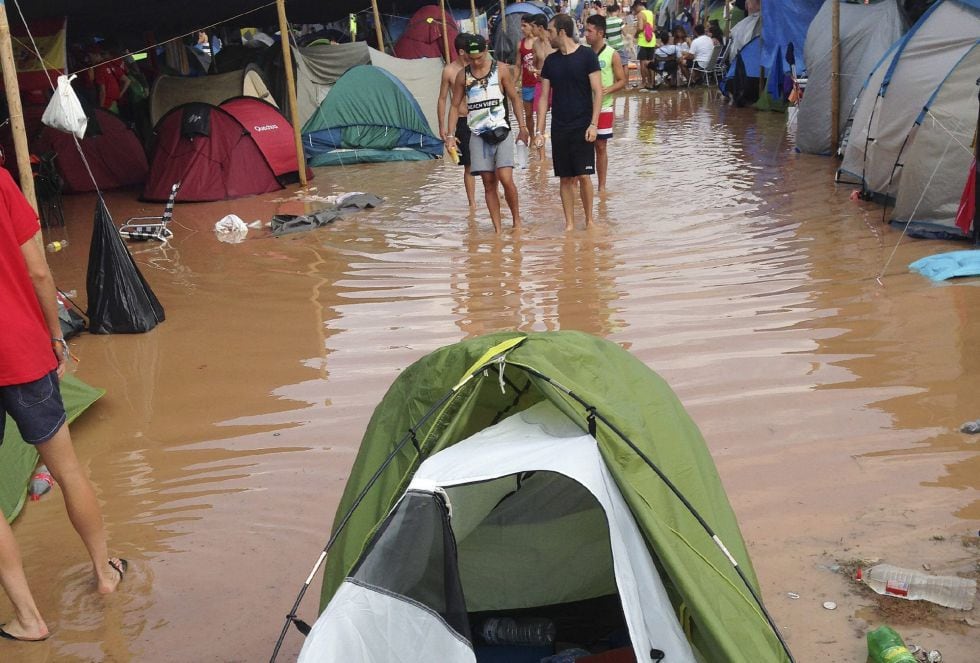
[(119, 299)]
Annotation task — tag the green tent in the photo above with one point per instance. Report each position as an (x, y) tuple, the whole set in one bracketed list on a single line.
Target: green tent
[(368, 116), (18, 459), (648, 444)]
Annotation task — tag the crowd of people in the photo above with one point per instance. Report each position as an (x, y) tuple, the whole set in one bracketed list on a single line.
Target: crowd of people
[(571, 79)]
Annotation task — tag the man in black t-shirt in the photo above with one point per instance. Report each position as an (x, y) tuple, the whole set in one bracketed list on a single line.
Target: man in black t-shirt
[(572, 74)]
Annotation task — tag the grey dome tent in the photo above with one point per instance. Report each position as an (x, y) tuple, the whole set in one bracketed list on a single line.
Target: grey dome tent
[(897, 90), (935, 161), (866, 34)]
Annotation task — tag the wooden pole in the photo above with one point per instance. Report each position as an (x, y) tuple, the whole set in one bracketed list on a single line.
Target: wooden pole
[(476, 30), (12, 88), (728, 19), (377, 25), (503, 21), (835, 76), (445, 32), (287, 63)]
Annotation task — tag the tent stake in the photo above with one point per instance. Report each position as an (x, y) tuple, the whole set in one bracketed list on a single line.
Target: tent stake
[(476, 30), (287, 63), (17, 128)]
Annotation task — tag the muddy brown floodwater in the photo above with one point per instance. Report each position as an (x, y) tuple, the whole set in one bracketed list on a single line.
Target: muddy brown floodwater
[(732, 266)]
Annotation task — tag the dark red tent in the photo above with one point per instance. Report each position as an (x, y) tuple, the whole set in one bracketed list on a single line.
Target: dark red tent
[(423, 35), (271, 131), (114, 154), (210, 153)]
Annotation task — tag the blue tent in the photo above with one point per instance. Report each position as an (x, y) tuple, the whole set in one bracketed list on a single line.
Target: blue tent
[(751, 58), (784, 24)]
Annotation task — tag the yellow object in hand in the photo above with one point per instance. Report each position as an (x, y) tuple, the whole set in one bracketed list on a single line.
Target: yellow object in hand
[(453, 154)]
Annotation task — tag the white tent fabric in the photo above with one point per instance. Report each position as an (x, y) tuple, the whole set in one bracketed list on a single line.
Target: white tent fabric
[(936, 162), (899, 87), (475, 475), (866, 33), (171, 91), (743, 32), (421, 76)]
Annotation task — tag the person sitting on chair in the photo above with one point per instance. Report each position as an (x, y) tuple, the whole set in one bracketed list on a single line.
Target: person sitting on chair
[(700, 53), (665, 59)]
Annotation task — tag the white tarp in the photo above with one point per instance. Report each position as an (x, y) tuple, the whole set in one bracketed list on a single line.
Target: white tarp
[(885, 114), (866, 33), (474, 474)]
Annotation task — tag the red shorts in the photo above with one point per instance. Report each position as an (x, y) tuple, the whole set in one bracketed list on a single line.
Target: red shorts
[(605, 131)]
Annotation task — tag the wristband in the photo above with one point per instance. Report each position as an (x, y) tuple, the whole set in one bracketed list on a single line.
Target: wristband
[(65, 353)]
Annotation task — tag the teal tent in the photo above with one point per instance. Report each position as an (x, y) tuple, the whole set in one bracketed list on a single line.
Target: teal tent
[(368, 116), (17, 458), (533, 472)]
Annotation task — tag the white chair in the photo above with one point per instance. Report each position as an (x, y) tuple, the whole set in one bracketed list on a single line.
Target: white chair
[(143, 227), (706, 71)]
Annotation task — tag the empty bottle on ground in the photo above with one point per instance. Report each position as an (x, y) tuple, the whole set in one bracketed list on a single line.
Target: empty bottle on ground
[(886, 646), (949, 591), (41, 482)]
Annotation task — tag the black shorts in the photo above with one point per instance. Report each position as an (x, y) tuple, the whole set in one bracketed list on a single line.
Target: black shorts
[(35, 407), (463, 141), (572, 154), (644, 53)]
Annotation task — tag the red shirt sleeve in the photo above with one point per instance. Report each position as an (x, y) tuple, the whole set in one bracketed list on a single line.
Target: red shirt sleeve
[(23, 218)]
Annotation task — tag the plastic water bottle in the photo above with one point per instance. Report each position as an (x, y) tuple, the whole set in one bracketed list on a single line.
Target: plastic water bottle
[(886, 646), (507, 631), (949, 591), (54, 247), (520, 154), (41, 483)]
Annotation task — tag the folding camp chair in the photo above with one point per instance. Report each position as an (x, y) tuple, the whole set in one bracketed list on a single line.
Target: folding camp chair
[(707, 70), (139, 228)]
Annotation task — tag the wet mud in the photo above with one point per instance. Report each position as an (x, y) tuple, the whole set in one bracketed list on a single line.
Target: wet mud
[(831, 399)]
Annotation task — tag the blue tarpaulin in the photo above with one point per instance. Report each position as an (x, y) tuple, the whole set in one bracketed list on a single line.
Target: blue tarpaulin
[(784, 23)]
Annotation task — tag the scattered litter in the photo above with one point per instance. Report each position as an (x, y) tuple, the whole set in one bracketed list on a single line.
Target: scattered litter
[(231, 229), (829, 605), (284, 224), (793, 595), (971, 427), (935, 656), (855, 195), (255, 225)]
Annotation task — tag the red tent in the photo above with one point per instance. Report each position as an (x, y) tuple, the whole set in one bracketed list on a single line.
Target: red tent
[(271, 131), (114, 154), (212, 154), (423, 35)]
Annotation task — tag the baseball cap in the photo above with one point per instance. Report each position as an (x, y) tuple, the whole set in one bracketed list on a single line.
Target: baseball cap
[(475, 44)]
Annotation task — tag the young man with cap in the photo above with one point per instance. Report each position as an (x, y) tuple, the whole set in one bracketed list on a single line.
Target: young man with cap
[(461, 132), (613, 78), (486, 85), (573, 73)]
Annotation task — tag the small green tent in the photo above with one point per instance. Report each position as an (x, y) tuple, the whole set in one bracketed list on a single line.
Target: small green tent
[(17, 458), (368, 116), (652, 454)]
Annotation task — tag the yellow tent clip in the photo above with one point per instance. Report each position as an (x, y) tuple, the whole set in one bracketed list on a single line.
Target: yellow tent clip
[(488, 356)]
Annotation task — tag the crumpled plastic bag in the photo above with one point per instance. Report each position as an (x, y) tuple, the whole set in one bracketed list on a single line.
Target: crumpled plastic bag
[(231, 229), (64, 111)]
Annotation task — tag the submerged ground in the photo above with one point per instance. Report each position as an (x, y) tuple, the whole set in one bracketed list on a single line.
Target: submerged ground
[(830, 400)]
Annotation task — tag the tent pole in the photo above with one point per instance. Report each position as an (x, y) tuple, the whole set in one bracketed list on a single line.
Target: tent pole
[(503, 22), (476, 30), (12, 88), (445, 32), (287, 63), (728, 19), (377, 25), (835, 76)]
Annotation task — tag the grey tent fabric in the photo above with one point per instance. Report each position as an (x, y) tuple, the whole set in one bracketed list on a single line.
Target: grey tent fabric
[(936, 161), (866, 33), (743, 32), (421, 76), (898, 89), (318, 68)]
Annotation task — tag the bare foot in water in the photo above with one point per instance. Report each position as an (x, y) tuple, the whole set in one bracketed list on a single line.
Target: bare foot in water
[(14, 630), (112, 574)]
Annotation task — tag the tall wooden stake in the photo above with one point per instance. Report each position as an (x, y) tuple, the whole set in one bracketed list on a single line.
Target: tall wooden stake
[(377, 25), (503, 20), (445, 32), (835, 76), (476, 30), (12, 88), (287, 63)]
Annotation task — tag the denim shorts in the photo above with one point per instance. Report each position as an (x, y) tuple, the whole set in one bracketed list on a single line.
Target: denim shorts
[(35, 407), (527, 93)]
